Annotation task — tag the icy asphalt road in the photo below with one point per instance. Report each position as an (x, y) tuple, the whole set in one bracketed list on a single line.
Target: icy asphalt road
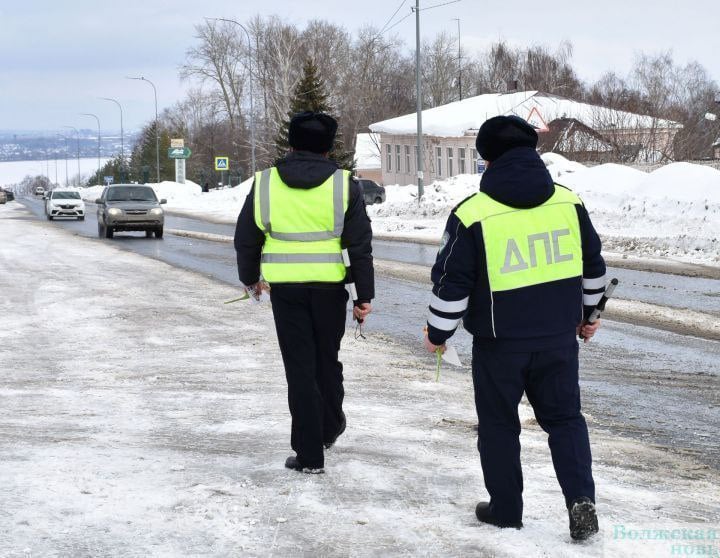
[(649, 384), (139, 416)]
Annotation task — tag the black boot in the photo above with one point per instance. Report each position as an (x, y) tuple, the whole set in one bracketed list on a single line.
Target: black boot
[(331, 442), (293, 463), (484, 515), (583, 519)]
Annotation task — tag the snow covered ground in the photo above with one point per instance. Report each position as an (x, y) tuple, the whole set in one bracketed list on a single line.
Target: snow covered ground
[(13, 172), (671, 212), (142, 417)]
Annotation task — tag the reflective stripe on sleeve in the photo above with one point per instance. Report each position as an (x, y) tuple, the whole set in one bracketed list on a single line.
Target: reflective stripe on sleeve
[(443, 323), (449, 306), (592, 300), (597, 283)]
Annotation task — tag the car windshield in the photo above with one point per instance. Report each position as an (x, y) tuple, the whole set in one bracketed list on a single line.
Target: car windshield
[(131, 193), (65, 196)]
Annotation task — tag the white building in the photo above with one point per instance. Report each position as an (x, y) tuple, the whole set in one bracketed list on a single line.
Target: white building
[(449, 131)]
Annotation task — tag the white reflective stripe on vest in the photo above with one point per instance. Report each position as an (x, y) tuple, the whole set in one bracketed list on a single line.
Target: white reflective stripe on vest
[(597, 283), (449, 305), (311, 236), (443, 323), (592, 300), (301, 258)]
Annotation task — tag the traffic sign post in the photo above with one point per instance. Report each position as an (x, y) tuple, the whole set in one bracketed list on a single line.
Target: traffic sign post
[(108, 180), (180, 171), (222, 164)]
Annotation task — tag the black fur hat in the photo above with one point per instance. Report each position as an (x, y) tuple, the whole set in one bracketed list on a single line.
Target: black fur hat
[(312, 131), (502, 133)]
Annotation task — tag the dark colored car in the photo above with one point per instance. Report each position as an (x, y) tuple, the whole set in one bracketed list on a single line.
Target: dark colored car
[(9, 194), (129, 207), (374, 193)]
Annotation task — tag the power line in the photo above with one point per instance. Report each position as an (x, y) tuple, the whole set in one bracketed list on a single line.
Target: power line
[(397, 22), (391, 18), (438, 5)]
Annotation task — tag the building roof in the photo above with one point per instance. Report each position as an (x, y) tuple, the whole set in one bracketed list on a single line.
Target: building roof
[(567, 135), (461, 117)]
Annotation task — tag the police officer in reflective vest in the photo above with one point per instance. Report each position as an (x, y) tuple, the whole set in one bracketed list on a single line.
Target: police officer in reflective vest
[(520, 265), (295, 224)]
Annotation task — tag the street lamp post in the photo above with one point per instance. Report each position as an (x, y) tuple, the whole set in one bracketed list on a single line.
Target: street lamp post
[(98, 123), (252, 110), (122, 141), (157, 126), (77, 135), (418, 93)]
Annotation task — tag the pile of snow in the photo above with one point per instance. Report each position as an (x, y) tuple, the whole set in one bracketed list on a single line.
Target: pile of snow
[(221, 204), (671, 212)]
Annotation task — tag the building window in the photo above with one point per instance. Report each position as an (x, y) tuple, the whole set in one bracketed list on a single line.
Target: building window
[(397, 158), (450, 161), (407, 159), (461, 160), (438, 156), (474, 152), (388, 162)]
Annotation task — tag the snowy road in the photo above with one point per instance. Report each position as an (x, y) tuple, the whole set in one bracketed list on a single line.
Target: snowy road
[(141, 417), (642, 382)]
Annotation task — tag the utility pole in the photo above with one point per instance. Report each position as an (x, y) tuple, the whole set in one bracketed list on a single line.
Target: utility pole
[(418, 93), (459, 60), (252, 110), (157, 126), (98, 123)]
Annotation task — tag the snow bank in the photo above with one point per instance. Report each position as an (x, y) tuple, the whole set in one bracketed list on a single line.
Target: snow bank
[(671, 212), (219, 204)]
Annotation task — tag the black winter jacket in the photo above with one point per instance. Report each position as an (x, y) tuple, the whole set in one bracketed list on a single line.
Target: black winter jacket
[(534, 318), (301, 169)]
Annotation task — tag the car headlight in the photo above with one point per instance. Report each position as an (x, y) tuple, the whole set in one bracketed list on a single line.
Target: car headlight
[(156, 211), (114, 212)]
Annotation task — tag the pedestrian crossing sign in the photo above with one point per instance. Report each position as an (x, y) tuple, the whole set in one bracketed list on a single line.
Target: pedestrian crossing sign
[(222, 163)]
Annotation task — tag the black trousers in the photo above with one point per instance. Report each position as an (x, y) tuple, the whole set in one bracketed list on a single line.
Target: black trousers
[(310, 324), (550, 379)]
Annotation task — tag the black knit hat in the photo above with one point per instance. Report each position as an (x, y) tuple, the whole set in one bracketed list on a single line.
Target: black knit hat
[(312, 131), (502, 133)]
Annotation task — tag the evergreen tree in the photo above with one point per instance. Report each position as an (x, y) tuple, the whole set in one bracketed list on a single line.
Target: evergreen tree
[(310, 95), (143, 161), (117, 168)]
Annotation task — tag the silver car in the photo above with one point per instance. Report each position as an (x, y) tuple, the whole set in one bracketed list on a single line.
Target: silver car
[(129, 207)]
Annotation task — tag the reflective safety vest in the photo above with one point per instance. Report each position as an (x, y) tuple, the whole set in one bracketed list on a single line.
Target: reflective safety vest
[(525, 247), (302, 228)]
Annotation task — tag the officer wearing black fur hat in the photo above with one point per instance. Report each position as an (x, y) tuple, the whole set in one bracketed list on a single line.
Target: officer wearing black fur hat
[(520, 265), (298, 219)]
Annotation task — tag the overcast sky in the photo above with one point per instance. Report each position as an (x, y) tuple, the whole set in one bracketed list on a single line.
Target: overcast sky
[(58, 57)]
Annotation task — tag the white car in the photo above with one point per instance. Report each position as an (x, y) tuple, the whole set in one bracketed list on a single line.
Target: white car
[(39, 191), (64, 203)]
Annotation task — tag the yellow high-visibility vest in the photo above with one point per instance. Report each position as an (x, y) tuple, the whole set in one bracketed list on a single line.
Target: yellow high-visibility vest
[(302, 228), (525, 247)]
